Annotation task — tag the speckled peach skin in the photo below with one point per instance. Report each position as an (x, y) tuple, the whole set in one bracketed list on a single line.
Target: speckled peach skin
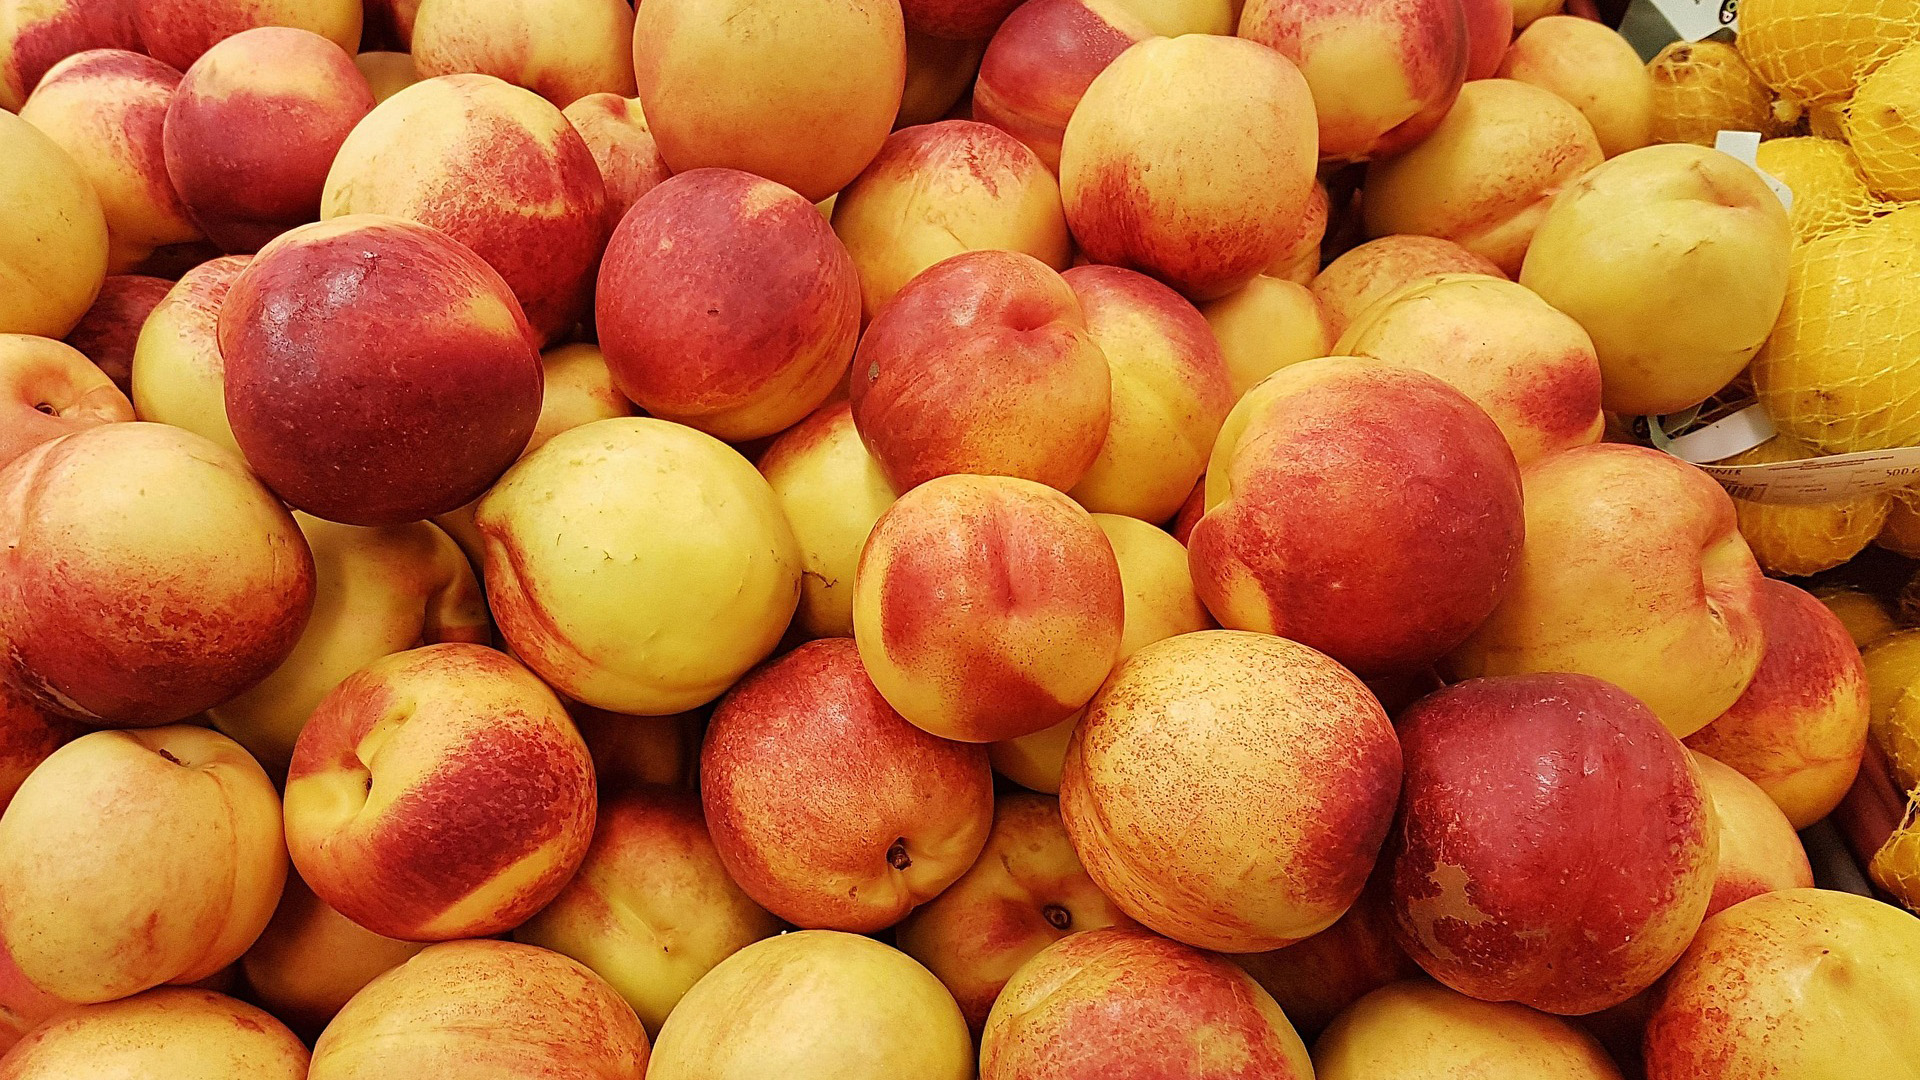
[(1041, 61), (177, 32), (34, 37), (310, 960), (616, 133), (178, 375), (1318, 978), (161, 1033), (110, 329), (562, 50), (48, 390), (1351, 283), (1759, 851)]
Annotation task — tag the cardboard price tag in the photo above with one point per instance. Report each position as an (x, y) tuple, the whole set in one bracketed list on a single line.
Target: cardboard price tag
[(1803, 482), (1697, 19)]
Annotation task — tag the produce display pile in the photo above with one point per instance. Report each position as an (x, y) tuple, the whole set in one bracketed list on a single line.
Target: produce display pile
[(949, 539)]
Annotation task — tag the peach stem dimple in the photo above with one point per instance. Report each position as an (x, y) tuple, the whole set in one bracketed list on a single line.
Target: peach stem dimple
[(897, 856)]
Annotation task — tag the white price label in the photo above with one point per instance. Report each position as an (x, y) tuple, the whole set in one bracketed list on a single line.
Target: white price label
[(1745, 145), (1697, 19), (1803, 482)]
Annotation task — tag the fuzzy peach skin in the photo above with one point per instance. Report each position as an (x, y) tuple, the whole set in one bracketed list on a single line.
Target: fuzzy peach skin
[(1759, 851), (177, 32), (1122, 1000), (1383, 72), (53, 234), (48, 390), (1485, 176), (1805, 983), (802, 92), (135, 858), (28, 735), (439, 793), (1634, 572), (1353, 282), (712, 579), (1595, 69), (826, 806), (982, 364), (1317, 979), (1159, 603), (629, 751), (652, 909), (107, 108), (987, 607), (1026, 891), (160, 1035), (937, 190), (832, 491), (1423, 483), (1489, 32), (1040, 62), (727, 303), (940, 72), (387, 73), (1800, 727), (1171, 392), (37, 34), (1530, 367), (1603, 862), (496, 168), (377, 591), (483, 1010), (1265, 325), (253, 128), (1287, 840), (1236, 116), (616, 134), (375, 398), (1686, 285), (1416, 1030), (109, 331), (562, 50), (311, 960), (178, 375), (145, 575), (816, 1005)]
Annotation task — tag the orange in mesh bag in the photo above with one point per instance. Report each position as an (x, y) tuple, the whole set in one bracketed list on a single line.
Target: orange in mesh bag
[(1816, 51), (1701, 88), (1829, 194)]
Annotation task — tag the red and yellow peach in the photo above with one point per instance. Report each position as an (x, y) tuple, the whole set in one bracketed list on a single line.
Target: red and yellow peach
[(110, 330), (1351, 283), (178, 375), (28, 736), (34, 36), (616, 134), (1041, 61), (48, 390), (1759, 851), (177, 32), (158, 1035), (310, 960), (1317, 979)]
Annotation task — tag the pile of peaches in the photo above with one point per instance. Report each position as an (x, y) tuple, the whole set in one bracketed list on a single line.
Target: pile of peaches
[(894, 540)]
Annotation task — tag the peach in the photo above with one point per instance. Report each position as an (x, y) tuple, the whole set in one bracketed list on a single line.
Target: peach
[(495, 167), (439, 793), (1800, 727), (826, 806), (957, 20), (1353, 282), (129, 859), (938, 190), (1595, 69), (191, 590), (28, 735), (48, 390), (160, 1035), (1632, 572), (1265, 325), (177, 32), (616, 134), (652, 908), (253, 128), (987, 607), (1759, 851), (53, 237), (982, 364), (23, 1006), (107, 108), (1124, 1001), (1485, 176), (1530, 367), (35, 35), (802, 93), (816, 1005), (1317, 979), (1423, 483), (1525, 12), (709, 585), (1026, 891), (562, 50), (387, 73), (1299, 260), (1288, 839), (1489, 32), (1696, 245), (1805, 983), (311, 960), (940, 73), (629, 751), (178, 375), (832, 491), (1603, 863), (483, 1010), (1416, 1030), (109, 331), (1236, 115), (1171, 392), (376, 399), (1383, 73), (1191, 512), (727, 304), (1041, 61)]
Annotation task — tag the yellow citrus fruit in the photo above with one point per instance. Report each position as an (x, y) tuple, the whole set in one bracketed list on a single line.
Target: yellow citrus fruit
[(1701, 88), (1829, 194), (1817, 51), (1801, 540), (1883, 125)]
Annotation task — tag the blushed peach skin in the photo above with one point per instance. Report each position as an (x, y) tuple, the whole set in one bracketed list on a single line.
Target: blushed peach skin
[(36, 36), (986, 607), (311, 960), (1489, 32), (53, 241), (1484, 177), (23, 1006), (157, 1035), (439, 793), (1415, 1030), (1759, 851), (832, 491), (1041, 61), (1026, 891), (178, 375), (1299, 260), (253, 128), (48, 390), (177, 32), (886, 818), (1236, 115), (1353, 282), (1288, 840), (938, 190), (495, 167), (1596, 70), (387, 73), (194, 536), (1265, 325), (1318, 978), (561, 50), (982, 364), (108, 333), (616, 133), (28, 735), (958, 20)]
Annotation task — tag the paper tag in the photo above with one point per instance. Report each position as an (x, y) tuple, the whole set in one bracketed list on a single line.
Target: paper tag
[(1803, 482), (1745, 145), (1697, 19)]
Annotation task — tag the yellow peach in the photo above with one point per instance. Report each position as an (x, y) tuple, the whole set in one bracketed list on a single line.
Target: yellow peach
[(53, 235), (177, 32), (1759, 851), (562, 50), (160, 1035), (387, 73), (1265, 325), (1417, 1030), (311, 960), (832, 491), (1595, 69), (1353, 282), (178, 375)]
